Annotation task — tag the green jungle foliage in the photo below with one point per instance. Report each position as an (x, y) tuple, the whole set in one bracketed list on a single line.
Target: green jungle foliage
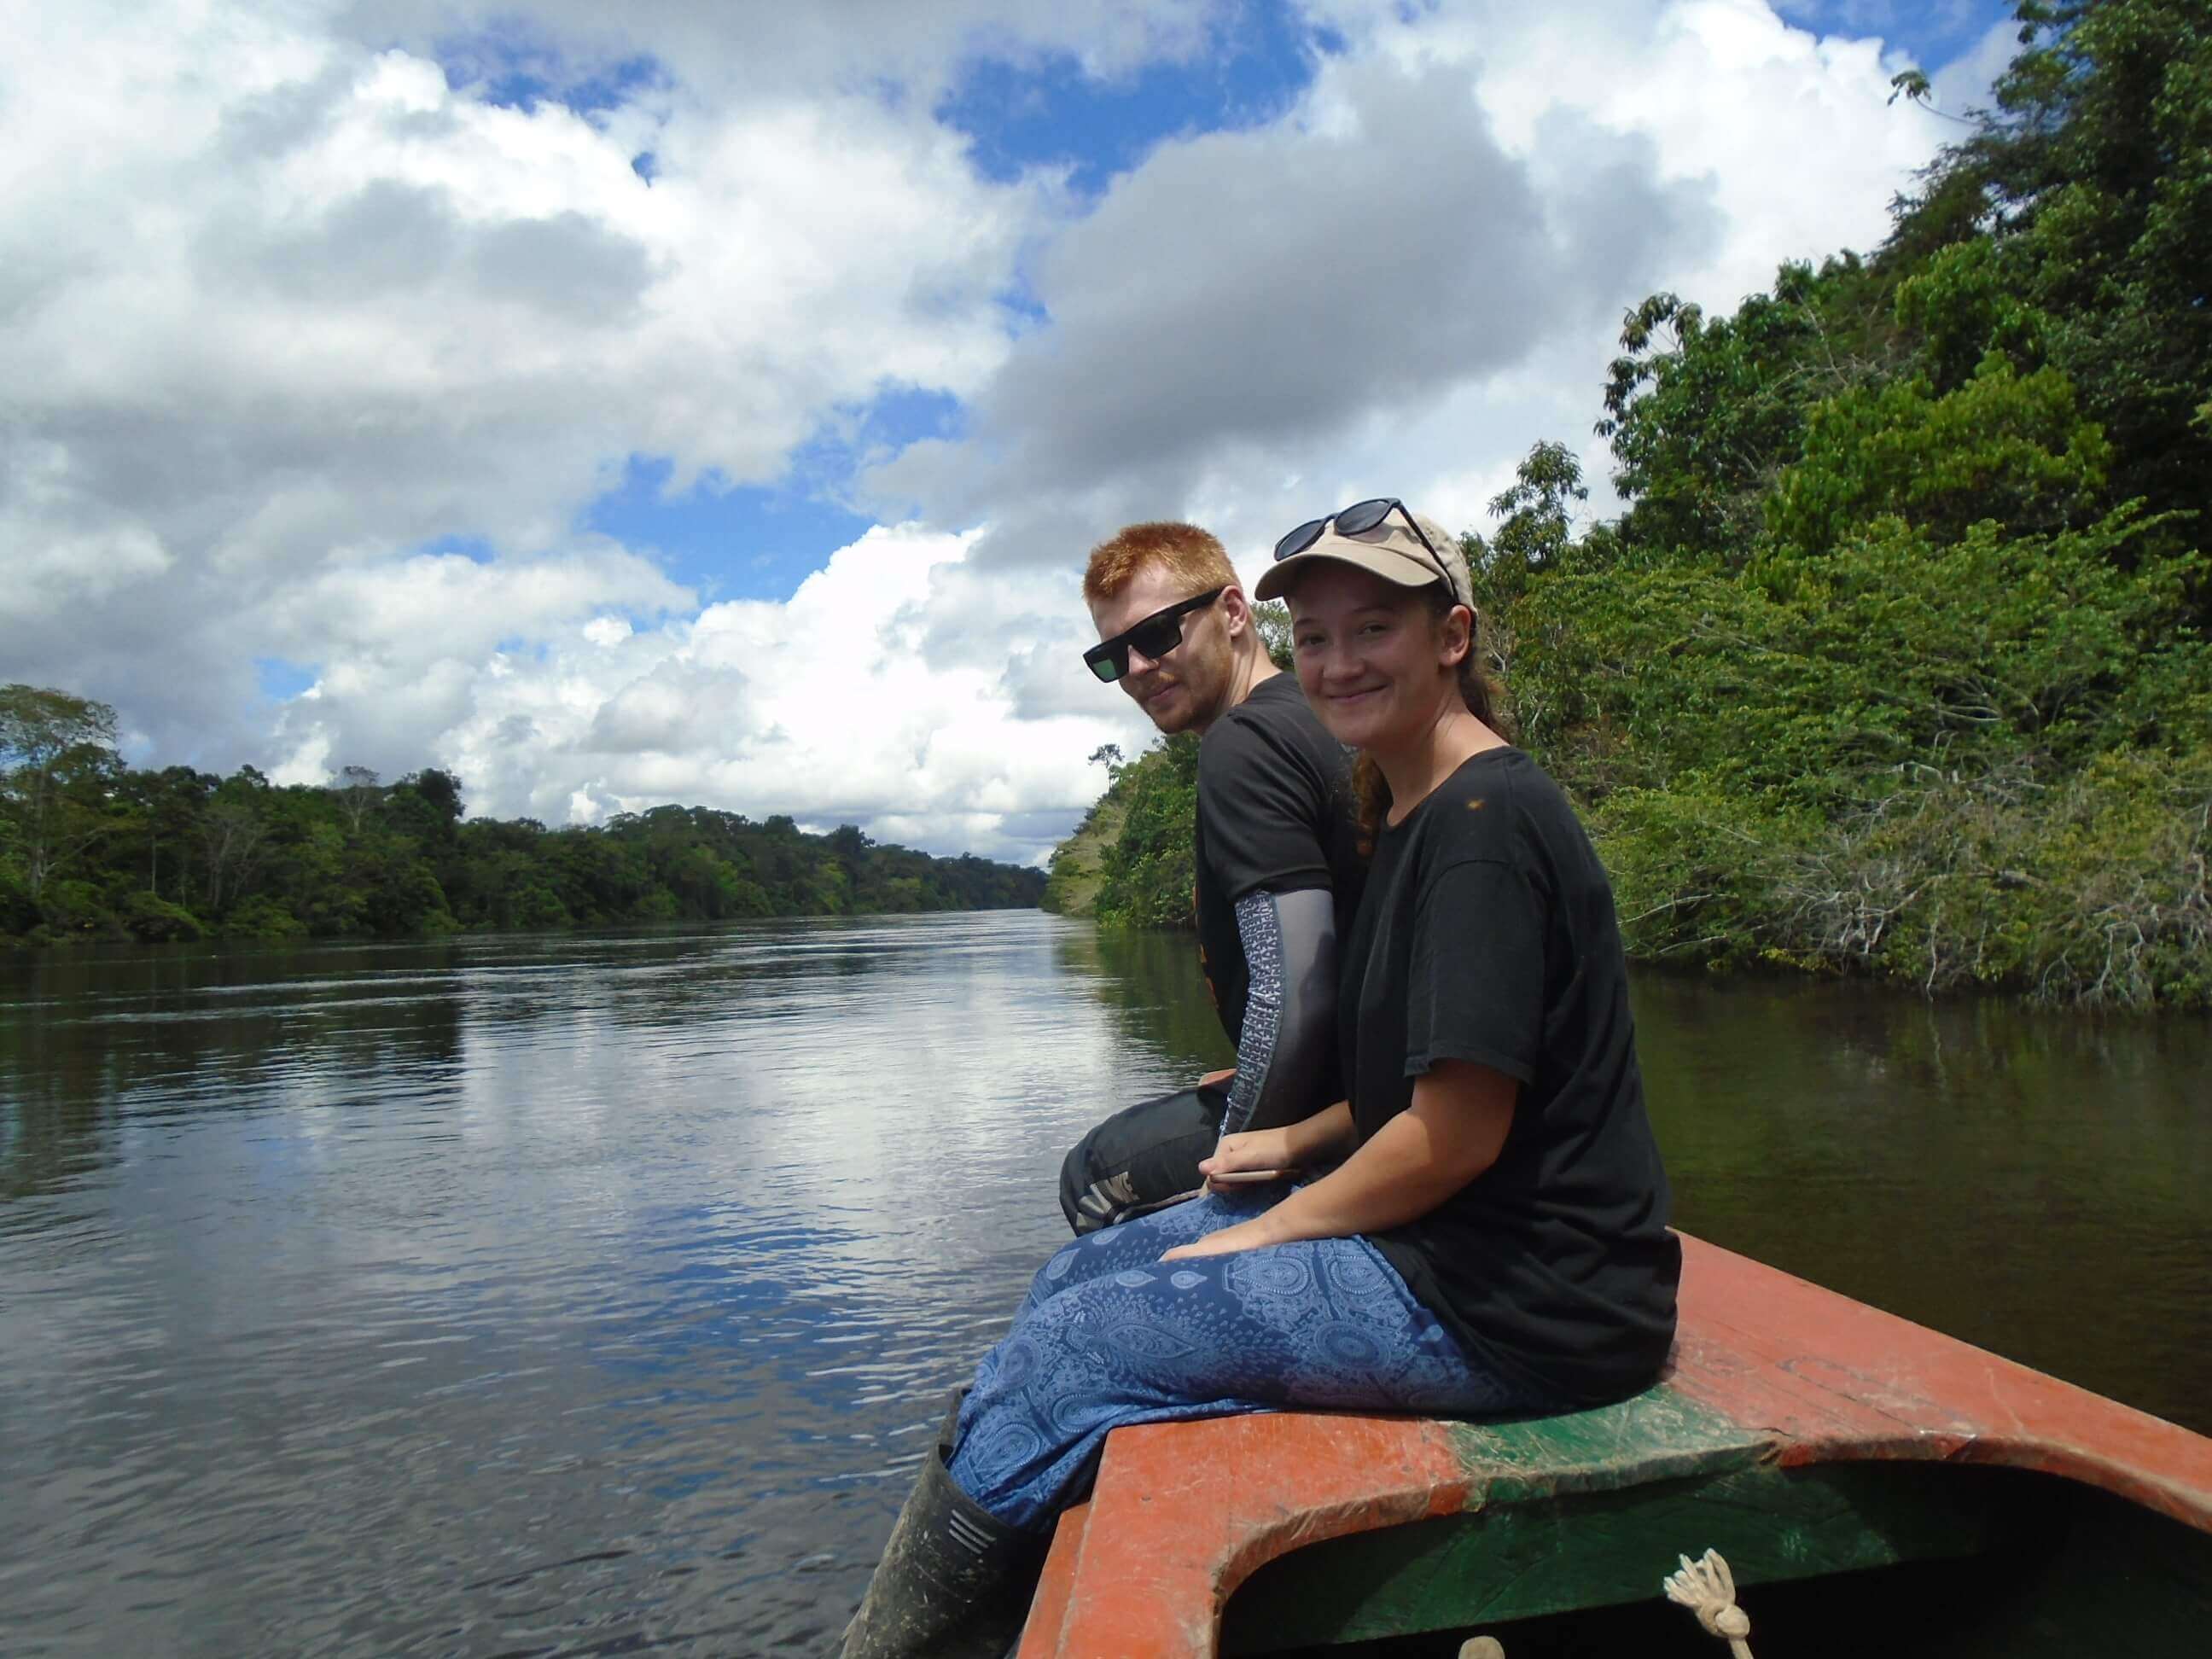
[(1146, 875), (92, 848), (1077, 872), (1895, 661)]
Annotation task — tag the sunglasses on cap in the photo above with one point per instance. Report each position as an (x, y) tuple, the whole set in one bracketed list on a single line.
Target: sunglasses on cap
[(1156, 636), (1356, 521)]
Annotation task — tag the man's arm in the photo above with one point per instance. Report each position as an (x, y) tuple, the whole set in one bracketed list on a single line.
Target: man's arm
[(1289, 1009)]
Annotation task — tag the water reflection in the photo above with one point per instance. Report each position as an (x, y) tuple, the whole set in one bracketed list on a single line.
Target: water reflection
[(2037, 1184), (1151, 984), (592, 1293)]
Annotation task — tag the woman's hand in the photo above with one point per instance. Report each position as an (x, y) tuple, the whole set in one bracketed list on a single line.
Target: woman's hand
[(1244, 1235), (1454, 1130), (1257, 1149), (1326, 1134)]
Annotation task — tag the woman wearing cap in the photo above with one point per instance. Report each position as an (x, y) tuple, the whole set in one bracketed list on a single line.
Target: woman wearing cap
[(1489, 1237)]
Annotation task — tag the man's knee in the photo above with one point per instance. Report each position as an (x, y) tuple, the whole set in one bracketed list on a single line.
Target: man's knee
[(1092, 1196), (1142, 1155)]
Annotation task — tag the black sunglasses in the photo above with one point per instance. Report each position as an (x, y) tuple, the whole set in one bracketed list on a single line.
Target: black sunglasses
[(1156, 636), (1356, 521)]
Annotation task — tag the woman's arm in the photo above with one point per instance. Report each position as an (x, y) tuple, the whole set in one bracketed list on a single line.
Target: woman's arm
[(1451, 1134), (1312, 1139)]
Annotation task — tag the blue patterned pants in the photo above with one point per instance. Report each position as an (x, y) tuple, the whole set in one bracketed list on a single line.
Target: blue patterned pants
[(1110, 1336)]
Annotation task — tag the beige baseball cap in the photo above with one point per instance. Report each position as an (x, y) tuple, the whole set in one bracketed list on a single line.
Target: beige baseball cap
[(1390, 550)]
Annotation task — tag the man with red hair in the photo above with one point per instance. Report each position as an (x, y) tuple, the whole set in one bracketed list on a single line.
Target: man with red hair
[(1279, 870), (1277, 858)]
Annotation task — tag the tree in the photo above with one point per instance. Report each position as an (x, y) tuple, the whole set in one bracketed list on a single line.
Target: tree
[(231, 830), (441, 789), (1703, 412), (1147, 873), (2096, 167), (1272, 618), (358, 790), (2010, 447), (165, 807), (1535, 528), (849, 847), (180, 855), (53, 746), (1896, 661)]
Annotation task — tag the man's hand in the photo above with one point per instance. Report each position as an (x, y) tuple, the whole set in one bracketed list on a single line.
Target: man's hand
[(1212, 1078)]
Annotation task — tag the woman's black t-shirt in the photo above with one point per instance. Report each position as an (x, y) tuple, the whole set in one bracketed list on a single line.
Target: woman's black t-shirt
[(1487, 932)]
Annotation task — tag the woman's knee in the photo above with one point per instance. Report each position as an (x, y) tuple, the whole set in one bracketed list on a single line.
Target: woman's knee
[(1063, 1269), (1137, 1246), (1208, 1214), (1131, 1244)]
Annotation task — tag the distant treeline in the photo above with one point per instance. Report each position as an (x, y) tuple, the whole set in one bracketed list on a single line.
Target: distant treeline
[(93, 849), (1896, 662)]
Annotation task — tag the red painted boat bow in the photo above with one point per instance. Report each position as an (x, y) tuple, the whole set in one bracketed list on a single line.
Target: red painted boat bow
[(1767, 1368)]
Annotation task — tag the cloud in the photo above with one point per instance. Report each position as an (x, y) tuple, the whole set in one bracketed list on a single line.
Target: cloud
[(282, 309), (1966, 82), (1246, 305), (738, 46), (1410, 278), (823, 708), (1258, 288), (316, 352)]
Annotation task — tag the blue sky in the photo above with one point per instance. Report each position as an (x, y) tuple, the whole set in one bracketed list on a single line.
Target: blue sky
[(760, 541), (385, 472), (1934, 31), (1052, 113)]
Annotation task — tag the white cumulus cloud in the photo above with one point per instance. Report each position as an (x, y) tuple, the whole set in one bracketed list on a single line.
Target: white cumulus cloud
[(317, 353), (281, 310), (823, 708)]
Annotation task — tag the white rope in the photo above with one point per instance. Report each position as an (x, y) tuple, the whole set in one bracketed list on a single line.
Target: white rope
[(1707, 1587)]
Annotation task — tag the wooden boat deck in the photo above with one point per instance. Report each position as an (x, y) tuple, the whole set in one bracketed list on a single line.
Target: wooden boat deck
[(1771, 1374)]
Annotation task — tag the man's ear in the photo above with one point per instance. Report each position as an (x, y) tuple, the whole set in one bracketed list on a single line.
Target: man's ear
[(1235, 609)]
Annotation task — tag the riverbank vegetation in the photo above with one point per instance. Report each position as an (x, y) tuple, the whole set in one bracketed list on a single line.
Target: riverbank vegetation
[(1077, 869), (1894, 662), (1129, 864), (93, 849)]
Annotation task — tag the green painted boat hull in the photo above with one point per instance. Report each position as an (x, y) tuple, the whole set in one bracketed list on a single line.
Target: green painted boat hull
[(1893, 1559)]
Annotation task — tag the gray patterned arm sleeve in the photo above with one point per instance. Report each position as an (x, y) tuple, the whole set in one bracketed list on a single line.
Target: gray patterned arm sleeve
[(1290, 1012)]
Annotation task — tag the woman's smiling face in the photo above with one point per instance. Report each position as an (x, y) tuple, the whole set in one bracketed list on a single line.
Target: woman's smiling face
[(1374, 663)]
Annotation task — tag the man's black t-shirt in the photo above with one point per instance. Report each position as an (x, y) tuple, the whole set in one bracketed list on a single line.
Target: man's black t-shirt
[(1488, 934), (1274, 815)]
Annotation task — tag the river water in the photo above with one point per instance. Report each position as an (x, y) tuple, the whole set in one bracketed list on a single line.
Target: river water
[(595, 1294)]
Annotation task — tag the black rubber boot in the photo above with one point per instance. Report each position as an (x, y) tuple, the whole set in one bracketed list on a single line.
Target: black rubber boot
[(954, 1583)]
